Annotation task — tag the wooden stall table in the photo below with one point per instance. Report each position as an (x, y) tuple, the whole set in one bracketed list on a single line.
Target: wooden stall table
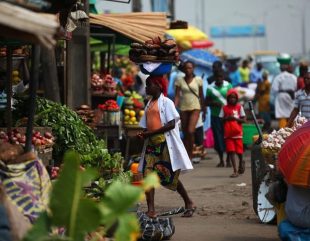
[(130, 133)]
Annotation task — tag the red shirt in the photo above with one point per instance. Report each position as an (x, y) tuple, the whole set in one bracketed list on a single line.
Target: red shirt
[(232, 128)]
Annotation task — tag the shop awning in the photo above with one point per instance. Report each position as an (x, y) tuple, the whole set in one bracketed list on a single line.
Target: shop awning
[(22, 24), (136, 26)]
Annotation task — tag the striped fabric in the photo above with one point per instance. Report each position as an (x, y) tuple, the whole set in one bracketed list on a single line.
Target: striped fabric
[(302, 102), (27, 185)]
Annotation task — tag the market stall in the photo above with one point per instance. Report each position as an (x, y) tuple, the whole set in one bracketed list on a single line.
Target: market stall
[(119, 123), (27, 27)]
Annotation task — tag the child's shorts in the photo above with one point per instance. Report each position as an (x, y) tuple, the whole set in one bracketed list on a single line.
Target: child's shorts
[(234, 145)]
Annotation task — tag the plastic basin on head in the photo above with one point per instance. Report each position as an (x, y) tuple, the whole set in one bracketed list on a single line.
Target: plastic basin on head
[(163, 68)]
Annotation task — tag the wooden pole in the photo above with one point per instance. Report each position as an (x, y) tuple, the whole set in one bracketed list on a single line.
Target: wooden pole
[(9, 67), (33, 88), (50, 77)]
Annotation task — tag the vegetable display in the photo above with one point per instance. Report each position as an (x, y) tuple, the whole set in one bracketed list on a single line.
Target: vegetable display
[(276, 139), (71, 133), (109, 105)]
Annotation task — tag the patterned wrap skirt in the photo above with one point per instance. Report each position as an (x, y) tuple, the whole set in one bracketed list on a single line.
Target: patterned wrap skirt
[(157, 159)]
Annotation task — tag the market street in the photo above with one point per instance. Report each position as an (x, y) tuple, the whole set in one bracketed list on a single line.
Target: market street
[(224, 210)]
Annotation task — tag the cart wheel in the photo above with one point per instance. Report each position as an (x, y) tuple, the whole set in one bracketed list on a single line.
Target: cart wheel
[(266, 211)]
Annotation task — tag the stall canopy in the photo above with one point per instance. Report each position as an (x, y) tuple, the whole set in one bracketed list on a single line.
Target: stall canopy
[(23, 24), (136, 26)]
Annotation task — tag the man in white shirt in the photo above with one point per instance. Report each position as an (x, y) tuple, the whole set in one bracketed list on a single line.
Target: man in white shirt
[(283, 87)]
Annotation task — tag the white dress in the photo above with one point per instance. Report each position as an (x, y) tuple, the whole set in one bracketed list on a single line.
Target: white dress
[(178, 154)]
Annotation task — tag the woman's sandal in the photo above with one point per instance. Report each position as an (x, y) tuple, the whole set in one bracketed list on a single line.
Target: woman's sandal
[(234, 175), (189, 212)]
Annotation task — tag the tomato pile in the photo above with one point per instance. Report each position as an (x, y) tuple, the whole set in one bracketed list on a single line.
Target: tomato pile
[(109, 105)]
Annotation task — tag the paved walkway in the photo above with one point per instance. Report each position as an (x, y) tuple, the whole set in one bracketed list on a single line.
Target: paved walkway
[(224, 205)]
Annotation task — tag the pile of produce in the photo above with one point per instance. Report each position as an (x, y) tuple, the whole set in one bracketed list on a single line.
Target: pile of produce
[(71, 133), (132, 117), (86, 114), (109, 85), (133, 108), (105, 85), (109, 105), (133, 100), (276, 139), (110, 113), (97, 83), (154, 50), (18, 137)]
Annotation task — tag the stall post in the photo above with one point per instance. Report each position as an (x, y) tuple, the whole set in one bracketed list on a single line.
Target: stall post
[(33, 89), (9, 67)]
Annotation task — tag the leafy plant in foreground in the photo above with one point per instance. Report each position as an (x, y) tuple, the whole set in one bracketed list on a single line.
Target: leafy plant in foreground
[(70, 209)]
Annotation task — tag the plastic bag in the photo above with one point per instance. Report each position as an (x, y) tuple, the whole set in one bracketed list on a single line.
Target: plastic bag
[(153, 229), (209, 139)]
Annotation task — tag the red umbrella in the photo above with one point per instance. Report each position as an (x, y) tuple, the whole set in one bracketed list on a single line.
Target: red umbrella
[(294, 157)]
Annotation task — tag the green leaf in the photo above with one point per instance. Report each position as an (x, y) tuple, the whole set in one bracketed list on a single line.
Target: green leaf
[(128, 228), (40, 229), (150, 181), (88, 218), (119, 197), (67, 208)]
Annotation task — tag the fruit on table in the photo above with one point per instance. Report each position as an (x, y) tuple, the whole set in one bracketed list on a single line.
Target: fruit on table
[(130, 117)]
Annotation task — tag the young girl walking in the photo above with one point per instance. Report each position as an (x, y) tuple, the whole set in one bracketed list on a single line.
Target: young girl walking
[(165, 152), (233, 116)]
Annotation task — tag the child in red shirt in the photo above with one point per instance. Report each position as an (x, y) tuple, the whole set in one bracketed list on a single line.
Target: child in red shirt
[(233, 116)]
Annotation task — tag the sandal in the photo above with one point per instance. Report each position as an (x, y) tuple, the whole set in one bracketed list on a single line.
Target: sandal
[(221, 164), (173, 211), (234, 175), (189, 212)]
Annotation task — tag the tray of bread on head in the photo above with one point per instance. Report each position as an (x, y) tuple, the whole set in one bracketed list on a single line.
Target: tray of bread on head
[(154, 50)]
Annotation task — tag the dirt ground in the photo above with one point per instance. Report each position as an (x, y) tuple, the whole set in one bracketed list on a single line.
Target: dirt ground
[(224, 207)]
